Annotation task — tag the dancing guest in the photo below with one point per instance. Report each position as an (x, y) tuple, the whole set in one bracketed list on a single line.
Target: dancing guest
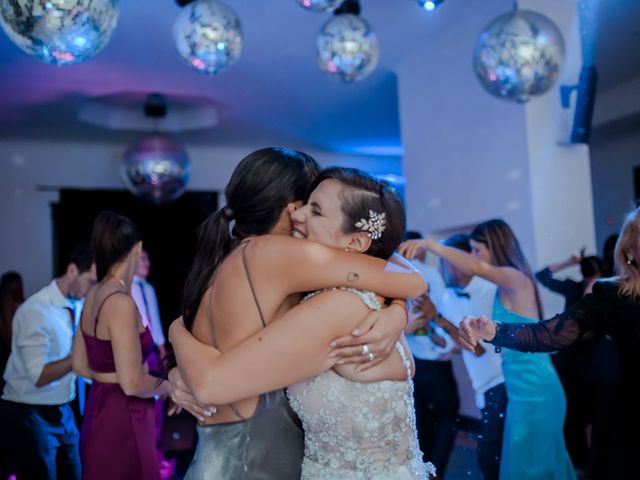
[(533, 445), (117, 438), (265, 189), (612, 309), (435, 389), (464, 295), (39, 381), (358, 424)]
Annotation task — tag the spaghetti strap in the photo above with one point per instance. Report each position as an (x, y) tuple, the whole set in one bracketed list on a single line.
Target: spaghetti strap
[(253, 291), (97, 316)]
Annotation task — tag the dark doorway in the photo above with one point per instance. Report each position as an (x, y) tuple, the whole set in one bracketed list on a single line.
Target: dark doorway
[(636, 177), (168, 233)]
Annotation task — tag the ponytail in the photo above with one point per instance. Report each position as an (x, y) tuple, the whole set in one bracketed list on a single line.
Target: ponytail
[(213, 245)]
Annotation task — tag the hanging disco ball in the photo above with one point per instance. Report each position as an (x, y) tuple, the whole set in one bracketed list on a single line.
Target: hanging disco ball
[(208, 36), (319, 5), (347, 48), (156, 168), (60, 32), (518, 55)]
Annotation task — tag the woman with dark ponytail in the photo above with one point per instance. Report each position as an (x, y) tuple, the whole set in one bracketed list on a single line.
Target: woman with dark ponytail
[(258, 274), (117, 438)]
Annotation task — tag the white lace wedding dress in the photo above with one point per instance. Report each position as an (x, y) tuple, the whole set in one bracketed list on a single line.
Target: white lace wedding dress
[(359, 431)]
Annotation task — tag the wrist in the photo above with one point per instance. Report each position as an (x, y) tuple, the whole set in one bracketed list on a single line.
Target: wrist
[(403, 305)]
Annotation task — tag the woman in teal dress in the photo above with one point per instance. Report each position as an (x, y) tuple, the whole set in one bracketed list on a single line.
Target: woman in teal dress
[(533, 446)]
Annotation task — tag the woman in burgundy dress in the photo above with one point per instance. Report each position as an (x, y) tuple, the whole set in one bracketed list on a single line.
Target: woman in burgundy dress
[(117, 440)]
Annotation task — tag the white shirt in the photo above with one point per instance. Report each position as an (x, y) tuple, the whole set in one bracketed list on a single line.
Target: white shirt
[(422, 347), (142, 290), (484, 371), (42, 333)]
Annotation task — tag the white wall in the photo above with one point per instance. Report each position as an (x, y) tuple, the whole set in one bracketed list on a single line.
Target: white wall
[(26, 239)]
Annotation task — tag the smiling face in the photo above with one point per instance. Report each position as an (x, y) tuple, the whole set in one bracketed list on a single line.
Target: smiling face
[(321, 219), (480, 251)]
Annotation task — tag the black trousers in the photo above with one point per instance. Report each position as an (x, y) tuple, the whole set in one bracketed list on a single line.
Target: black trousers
[(41, 441), (491, 432), (437, 405)]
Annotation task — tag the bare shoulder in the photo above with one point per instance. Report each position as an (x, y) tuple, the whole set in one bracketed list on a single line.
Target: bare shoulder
[(118, 307)]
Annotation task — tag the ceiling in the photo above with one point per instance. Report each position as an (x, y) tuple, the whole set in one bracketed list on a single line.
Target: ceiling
[(276, 89)]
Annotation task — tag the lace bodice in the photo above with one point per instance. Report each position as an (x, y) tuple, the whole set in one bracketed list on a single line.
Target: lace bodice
[(358, 431)]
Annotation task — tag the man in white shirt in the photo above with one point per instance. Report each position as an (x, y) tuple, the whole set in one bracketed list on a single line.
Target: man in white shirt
[(472, 296), (436, 395), (145, 297), (39, 379)]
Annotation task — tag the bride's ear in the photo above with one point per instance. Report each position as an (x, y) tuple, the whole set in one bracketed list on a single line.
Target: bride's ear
[(359, 242)]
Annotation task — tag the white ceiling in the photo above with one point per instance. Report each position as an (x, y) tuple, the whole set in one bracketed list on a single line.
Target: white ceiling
[(276, 89)]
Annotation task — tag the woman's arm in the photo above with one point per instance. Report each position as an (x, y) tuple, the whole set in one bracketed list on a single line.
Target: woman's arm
[(291, 349), (580, 322), (125, 342), (306, 266), (507, 278), (79, 358)]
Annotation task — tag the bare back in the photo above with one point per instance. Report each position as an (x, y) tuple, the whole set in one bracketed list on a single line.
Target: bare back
[(234, 313)]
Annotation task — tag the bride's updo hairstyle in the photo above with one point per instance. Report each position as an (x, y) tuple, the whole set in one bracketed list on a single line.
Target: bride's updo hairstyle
[(260, 188), (362, 194)]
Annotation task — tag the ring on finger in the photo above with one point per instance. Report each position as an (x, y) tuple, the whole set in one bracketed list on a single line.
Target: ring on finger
[(365, 350), (371, 357)]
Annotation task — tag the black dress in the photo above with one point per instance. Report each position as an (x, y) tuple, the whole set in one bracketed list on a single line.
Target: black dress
[(604, 312)]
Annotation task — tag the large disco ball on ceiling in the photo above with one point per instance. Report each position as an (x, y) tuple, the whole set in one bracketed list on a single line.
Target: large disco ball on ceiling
[(60, 32), (319, 5), (208, 37), (347, 48), (156, 168), (518, 55)]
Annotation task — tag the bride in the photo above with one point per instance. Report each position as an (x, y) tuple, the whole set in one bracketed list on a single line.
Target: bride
[(359, 424)]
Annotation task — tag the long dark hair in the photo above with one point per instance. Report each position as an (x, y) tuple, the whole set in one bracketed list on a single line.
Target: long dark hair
[(505, 250), (112, 239), (261, 186), (363, 194)]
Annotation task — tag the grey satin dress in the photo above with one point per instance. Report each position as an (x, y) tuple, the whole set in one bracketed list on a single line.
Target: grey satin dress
[(267, 446)]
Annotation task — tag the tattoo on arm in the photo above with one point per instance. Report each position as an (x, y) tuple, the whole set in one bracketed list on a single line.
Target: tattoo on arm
[(352, 276)]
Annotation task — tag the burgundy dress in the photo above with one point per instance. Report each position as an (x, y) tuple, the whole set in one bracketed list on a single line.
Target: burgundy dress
[(117, 440)]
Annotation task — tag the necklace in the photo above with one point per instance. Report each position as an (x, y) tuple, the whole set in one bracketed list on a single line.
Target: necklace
[(122, 283)]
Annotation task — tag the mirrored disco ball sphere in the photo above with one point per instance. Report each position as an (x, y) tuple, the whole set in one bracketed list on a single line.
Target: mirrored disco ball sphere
[(156, 168), (319, 5), (347, 48), (207, 35), (61, 32), (518, 55)]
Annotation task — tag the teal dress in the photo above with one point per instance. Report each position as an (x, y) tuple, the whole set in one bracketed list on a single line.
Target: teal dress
[(533, 446)]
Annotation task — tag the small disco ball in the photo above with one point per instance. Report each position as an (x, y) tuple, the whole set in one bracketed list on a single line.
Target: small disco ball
[(207, 35), (156, 168), (319, 5), (347, 48), (60, 32), (518, 55)]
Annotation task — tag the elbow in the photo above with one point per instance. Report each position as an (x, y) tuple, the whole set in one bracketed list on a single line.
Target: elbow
[(421, 286)]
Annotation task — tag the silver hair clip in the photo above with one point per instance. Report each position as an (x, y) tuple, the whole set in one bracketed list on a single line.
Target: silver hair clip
[(374, 226)]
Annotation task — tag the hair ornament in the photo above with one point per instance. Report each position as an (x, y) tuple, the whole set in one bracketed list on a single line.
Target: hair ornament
[(374, 226), (228, 213)]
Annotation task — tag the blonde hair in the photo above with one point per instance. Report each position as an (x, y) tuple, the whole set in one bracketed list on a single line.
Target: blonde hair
[(627, 248)]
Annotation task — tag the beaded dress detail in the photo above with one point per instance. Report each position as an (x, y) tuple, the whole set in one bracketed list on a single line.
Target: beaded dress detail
[(359, 431)]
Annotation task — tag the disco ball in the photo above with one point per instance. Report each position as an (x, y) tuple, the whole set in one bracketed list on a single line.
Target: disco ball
[(347, 48), (319, 5), (60, 32), (156, 168), (207, 35), (518, 55)]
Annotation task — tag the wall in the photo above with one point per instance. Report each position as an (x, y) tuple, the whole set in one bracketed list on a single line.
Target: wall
[(25, 166)]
